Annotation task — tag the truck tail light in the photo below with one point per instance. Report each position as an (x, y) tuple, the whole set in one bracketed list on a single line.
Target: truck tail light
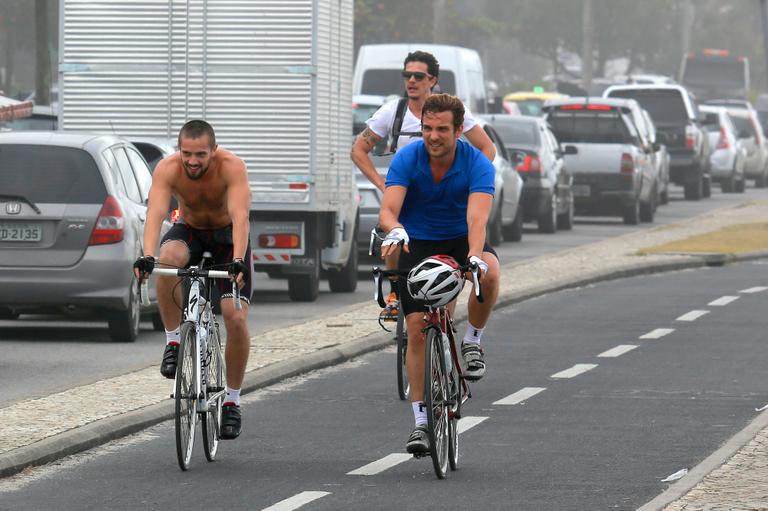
[(110, 224), (627, 164), (690, 137), (279, 241)]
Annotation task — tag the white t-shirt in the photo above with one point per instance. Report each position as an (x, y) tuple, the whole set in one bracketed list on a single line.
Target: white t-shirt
[(381, 123)]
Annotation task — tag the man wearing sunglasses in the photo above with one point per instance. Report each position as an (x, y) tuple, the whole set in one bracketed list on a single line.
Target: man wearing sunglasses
[(420, 74)]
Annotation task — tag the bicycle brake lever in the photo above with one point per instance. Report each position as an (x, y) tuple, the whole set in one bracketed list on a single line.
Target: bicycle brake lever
[(144, 292), (236, 296), (377, 296)]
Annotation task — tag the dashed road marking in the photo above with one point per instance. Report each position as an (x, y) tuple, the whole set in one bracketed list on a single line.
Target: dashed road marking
[(756, 289), (574, 371), (381, 465), (466, 423), (692, 315), (723, 300), (657, 334), (618, 350), (297, 501), (520, 396)]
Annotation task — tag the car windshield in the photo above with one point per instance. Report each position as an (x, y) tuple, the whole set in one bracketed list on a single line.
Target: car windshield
[(712, 121), (530, 107), (517, 133), (384, 82), (743, 126), (590, 127), (663, 105), (48, 174)]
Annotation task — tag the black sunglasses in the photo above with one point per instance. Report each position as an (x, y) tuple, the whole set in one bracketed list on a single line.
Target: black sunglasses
[(417, 76)]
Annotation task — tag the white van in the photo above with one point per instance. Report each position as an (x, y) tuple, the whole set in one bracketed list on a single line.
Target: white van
[(378, 69)]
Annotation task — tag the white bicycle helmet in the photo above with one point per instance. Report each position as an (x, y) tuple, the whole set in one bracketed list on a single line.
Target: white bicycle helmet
[(435, 281)]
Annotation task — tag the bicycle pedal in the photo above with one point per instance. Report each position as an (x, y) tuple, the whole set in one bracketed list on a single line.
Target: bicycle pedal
[(419, 455)]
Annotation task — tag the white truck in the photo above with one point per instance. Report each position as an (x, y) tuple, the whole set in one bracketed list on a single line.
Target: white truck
[(274, 80)]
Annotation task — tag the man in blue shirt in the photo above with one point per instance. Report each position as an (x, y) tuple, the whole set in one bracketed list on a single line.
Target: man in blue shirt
[(439, 193)]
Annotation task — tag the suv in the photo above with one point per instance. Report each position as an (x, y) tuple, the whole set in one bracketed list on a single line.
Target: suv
[(72, 212), (675, 114)]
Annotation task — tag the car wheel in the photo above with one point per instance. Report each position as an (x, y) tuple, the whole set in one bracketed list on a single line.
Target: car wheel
[(632, 212), (345, 279), (693, 189), (760, 181), (706, 187), (647, 209), (741, 185), (124, 325), (548, 215), (565, 220), (514, 231), (494, 234)]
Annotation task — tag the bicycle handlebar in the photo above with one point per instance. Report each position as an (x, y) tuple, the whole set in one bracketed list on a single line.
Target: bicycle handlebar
[(191, 272), (378, 272)]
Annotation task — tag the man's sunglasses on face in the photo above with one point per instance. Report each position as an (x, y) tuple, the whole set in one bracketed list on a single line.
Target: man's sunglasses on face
[(416, 76)]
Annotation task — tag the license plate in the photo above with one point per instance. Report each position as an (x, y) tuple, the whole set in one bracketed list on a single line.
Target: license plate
[(581, 191), (20, 231)]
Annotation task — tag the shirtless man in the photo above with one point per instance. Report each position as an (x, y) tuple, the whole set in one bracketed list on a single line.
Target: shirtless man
[(211, 186)]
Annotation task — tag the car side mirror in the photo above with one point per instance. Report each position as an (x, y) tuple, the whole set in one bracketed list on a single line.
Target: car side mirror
[(571, 149)]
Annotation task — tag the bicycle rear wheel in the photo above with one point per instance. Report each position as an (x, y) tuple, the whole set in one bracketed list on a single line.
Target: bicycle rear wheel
[(436, 402), (215, 394), (402, 347), (184, 396)]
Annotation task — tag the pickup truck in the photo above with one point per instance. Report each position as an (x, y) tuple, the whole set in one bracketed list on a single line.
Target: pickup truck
[(612, 168), (676, 116)]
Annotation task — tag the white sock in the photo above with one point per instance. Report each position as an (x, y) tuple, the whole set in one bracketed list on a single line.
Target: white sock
[(419, 412), (173, 336), (473, 334), (233, 397)]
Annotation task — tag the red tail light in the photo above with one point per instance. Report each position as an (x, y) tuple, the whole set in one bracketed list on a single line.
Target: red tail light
[(279, 241), (627, 164), (531, 164), (690, 137), (175, 215), (599, 107), (109, 224), (723, 142)]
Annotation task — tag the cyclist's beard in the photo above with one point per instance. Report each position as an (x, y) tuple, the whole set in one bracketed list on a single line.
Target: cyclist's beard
[(199, 169)]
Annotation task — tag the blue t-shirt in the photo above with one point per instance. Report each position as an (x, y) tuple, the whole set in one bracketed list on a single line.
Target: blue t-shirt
[(439, 211)]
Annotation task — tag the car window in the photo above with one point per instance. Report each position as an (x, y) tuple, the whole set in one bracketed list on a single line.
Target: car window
[(152, 154), (744, 127), (141, 171), (596, 127), (712, 121), (552, 140), (44, 174), (126, 173), (500, 149), (664, 105), (517, 133)]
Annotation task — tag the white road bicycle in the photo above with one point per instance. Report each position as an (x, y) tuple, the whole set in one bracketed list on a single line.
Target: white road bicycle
[(200, 384)]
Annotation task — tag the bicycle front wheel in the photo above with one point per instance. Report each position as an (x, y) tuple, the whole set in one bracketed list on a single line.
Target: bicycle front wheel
[(185, 396), (436, 401), (215, 394), (402, 347)]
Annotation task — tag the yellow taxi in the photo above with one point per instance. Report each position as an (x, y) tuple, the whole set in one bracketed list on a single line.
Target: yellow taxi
[(528, 102)]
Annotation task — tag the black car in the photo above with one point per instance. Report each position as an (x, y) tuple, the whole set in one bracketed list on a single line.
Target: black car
[(538, 158)]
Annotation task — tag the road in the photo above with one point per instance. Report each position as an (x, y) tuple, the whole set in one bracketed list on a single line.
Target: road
[(602, 438), (72, 353)]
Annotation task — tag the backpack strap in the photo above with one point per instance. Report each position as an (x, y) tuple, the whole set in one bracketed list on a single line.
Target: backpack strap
[(397, 124)]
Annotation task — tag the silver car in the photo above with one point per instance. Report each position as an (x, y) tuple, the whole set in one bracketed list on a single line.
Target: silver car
[(72, 212), (728, 158)]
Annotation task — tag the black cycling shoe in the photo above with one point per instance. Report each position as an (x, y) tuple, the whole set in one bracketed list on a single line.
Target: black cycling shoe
[(230, 421), (170, 358), (418, 442)]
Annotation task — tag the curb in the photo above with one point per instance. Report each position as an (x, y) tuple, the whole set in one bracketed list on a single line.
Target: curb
[(111, 428)]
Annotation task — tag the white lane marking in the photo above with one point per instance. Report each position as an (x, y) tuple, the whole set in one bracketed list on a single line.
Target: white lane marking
[(658, 333), (756, 289), (390, 460), (723, 300), (618, 350), (692, 315), (381, 465), (574, 371), (520, 396), (466, 423), (297, 501)]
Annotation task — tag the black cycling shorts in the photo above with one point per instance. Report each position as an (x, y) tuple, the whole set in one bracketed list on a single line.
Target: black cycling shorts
[(219, 243), (458, 248)]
